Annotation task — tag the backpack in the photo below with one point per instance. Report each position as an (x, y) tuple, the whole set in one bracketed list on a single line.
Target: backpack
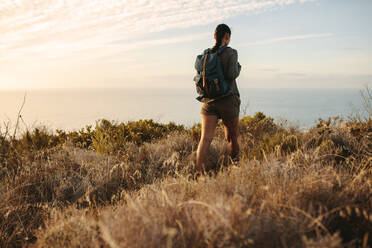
[(210, 81)]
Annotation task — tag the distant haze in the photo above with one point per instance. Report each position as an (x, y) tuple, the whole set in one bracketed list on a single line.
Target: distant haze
[(137, 44), (73, 109)]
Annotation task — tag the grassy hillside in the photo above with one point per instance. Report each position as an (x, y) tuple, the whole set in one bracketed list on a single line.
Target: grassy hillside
[(132, 185)]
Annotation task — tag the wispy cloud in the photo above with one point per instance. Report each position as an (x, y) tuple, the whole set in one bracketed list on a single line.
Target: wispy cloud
[(286, 38), (53, 28)]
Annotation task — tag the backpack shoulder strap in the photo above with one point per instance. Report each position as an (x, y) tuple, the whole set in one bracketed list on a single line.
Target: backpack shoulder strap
[(207, 51), (204, 83)]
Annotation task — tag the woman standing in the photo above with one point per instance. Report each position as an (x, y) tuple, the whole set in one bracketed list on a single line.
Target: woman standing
[(227, 107)]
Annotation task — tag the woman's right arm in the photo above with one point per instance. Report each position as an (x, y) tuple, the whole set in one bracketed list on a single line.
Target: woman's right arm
[(233, 66)]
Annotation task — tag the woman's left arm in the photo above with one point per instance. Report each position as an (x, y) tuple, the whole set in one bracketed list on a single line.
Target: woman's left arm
[(233, 66)]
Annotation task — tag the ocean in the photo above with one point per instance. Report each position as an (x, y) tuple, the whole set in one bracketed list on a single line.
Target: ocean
[(72, 109)]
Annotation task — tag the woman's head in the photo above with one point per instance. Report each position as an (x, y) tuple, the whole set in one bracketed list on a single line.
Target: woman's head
[(222, 36)]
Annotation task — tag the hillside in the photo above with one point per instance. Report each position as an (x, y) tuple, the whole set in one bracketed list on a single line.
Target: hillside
[(132, 185)]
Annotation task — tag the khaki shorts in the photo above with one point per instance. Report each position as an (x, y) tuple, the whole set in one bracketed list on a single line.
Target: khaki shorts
[(226, 108)]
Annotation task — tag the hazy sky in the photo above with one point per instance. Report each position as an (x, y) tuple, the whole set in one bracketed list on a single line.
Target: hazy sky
[(153, 43)]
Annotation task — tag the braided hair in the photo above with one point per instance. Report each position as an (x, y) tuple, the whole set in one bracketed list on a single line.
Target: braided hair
[(220, 32)]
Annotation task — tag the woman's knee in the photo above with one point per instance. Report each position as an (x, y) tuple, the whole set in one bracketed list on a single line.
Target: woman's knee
[(231, 129), (207, 139), (227, 136), (232, 139), (231, 134)]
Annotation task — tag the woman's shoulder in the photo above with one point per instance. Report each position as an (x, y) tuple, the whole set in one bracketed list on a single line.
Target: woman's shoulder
[(231, 50)]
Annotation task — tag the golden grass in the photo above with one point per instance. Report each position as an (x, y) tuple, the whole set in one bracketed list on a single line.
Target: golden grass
[(290, 188)]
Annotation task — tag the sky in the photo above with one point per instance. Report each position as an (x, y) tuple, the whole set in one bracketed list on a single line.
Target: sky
[(154, 43)]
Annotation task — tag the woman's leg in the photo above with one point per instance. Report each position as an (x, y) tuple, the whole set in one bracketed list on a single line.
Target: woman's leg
[(209, 123), (231, 134)]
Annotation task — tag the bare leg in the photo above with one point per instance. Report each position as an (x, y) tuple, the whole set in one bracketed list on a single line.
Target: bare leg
[(209, 123), (231, 134)]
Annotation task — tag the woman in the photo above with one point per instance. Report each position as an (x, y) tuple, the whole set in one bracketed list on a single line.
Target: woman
[(226, 108)]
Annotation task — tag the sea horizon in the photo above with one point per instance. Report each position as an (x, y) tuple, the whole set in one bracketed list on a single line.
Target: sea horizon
[(74, 108)]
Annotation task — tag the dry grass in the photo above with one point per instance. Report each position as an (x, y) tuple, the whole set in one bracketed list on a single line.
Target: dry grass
[(290, 189)]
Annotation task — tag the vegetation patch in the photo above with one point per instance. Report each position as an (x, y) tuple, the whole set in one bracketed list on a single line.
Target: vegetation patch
[(132, 185)]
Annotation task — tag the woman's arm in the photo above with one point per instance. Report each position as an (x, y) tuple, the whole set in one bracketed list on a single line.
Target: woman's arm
[(234, 67)]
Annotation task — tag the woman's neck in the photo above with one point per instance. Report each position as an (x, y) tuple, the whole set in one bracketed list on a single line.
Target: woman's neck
[(222, 44)]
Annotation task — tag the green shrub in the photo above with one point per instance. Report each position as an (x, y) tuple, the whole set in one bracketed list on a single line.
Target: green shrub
[(258, 125), (109, 137)]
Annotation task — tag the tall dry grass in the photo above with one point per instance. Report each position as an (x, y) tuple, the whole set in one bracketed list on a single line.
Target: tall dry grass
[(112, 187)]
